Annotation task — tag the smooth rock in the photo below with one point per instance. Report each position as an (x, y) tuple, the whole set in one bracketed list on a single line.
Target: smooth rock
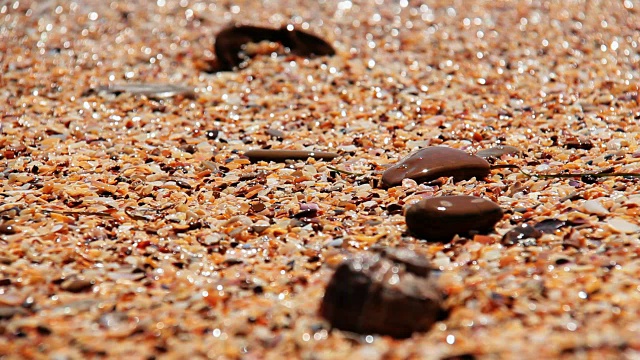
[(156, 91), (284, 155), (76, 285), (441, 218), (7, 228), (376, 293), (434, 162), (497, 151)]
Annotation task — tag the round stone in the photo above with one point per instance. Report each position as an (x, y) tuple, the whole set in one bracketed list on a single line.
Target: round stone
[(392, 293), (434, 162), (441, 218)]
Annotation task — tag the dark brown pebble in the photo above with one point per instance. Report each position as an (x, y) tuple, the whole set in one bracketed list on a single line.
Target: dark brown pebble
[(258, 207), (5, 282), (284, 155), (434, 162), (441, 218), (550, 225), (578, 144), (230, 41), (374, 293), (309, 213), (183, 184), (523, 234), (212, 134), (6, 228), (233, 261), (589, 179), (394, 208), (156, 91), (498, 151), (77, 285), (7, 312)]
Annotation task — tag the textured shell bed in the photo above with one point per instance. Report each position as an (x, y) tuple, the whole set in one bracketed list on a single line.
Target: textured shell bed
[(133, 226)]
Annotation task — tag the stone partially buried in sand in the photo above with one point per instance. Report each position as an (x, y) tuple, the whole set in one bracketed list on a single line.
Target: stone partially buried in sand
[(441, 218), (389, 293), (150, 90), (284, 155), (434, 162)]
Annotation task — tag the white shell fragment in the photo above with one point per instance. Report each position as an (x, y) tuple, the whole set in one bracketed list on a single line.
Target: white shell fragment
[(623, 226), (594, 207)]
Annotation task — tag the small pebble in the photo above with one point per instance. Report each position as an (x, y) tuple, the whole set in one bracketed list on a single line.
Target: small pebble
[(284, 155), (441, 218), (523, 234), (275, 133), (6, 228), (589, 179), (77, 285), (383, 294), (549, 225), (258, 207), (498, 151), (156, 91), (431, 163), (583, 144)]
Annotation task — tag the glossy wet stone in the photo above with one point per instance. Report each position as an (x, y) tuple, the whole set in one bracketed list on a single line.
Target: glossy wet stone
[(284, 155), (230, 41), (441, 218), (434, 162), (498, 151), (383, 293), (156, 91)]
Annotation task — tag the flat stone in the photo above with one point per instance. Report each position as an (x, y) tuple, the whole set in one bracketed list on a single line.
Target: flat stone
[(441, 218), (377, 293), (523, 234), (550, 225), (77, 285), (156, 91), (433, 162), (284, 155), (498, 151)]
